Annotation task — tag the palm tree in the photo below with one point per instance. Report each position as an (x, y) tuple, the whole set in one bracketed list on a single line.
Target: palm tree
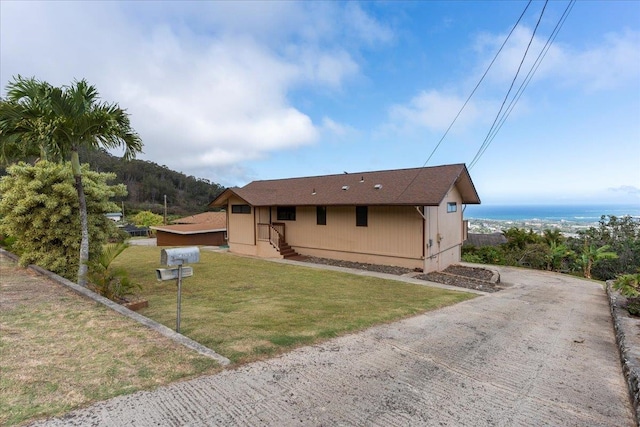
[(65, 119), (592, 254), (25, 120)]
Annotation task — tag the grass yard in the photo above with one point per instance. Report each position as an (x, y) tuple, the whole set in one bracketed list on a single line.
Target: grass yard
[(59, 351), (246, 308)]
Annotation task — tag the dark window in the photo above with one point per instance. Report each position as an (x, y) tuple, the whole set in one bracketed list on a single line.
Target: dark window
[(362, 212), (452, 207), (321, 215), (286, 213), (240, 209)]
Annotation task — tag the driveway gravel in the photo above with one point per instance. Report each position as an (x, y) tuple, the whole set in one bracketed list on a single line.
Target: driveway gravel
[(541, 352)]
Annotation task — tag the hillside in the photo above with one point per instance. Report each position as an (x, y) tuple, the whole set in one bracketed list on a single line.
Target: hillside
[(147, 184)]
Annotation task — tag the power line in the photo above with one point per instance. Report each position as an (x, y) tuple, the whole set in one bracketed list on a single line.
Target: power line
[(478, 84), (532, 71), (487, 140), (470, 95)]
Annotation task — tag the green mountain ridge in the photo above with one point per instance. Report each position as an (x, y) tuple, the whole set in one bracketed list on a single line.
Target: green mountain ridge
[(147, 184)]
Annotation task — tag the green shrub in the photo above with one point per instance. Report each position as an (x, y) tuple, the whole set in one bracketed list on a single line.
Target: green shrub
[(628, 285), (39, 207), (111, 282)]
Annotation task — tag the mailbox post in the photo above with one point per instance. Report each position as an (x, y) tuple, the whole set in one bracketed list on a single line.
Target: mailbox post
[(179, 257)]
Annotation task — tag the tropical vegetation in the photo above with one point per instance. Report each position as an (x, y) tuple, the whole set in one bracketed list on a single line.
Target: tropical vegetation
[(147, 184), (39, 210), (603, 252), (55, 122)]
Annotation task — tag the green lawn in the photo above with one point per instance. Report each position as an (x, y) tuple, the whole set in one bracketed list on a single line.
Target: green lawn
[(60, 351), (246, 308)]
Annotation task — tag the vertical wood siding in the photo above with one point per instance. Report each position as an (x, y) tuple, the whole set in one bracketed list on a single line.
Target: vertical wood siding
[(241, 226), (392, 231)]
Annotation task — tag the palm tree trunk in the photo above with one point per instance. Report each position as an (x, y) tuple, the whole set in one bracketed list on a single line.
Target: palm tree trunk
[(83, 267)]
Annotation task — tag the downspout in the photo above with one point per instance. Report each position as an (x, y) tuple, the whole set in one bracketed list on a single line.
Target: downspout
[(424, 232)]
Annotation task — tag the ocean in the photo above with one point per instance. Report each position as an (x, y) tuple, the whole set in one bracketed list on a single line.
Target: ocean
[(573, 213)]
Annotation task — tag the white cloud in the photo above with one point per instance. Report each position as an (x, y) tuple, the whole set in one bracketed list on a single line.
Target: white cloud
[(338, 130), (613, 63), (206, 84), (626, 189), (432, 110), (366, 27)]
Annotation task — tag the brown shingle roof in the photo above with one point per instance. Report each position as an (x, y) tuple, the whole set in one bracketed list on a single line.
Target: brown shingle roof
[(417, 186), (218, 219), (189, 228), (479, 240)]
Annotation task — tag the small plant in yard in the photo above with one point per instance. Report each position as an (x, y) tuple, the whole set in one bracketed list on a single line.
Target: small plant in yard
[(111, 282), (629, 286)]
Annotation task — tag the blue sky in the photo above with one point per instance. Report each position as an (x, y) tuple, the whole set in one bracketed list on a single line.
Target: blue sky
[(238, 91)]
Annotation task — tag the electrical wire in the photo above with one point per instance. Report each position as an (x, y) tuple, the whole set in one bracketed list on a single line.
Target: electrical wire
[(470, 95), (532, 72), (495, 57), (487, 140)]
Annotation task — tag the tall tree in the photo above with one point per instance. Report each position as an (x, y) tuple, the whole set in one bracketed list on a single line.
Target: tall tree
[(73, 116), (26, 123)]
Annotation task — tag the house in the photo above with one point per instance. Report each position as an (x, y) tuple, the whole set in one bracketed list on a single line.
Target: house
[(114, 216), (480, 240), (409, 217), (219, 218), (208, 229)]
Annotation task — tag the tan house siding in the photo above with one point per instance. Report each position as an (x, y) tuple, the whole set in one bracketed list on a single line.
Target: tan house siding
[(444, 233), (393, 234), (241, 228)]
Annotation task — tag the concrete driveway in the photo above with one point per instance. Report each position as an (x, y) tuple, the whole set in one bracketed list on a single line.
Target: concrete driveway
[(539, 353)]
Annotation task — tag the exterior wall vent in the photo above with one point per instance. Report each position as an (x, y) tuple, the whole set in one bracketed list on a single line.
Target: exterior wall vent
[(377, 186)]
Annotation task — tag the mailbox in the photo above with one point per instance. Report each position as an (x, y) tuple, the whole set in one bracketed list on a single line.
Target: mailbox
[(179, 256), (172, 273)]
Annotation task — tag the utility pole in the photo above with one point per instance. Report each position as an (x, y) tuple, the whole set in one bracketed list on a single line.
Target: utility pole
[(165, 209)]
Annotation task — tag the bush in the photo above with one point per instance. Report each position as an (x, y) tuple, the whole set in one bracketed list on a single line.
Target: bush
[(484, 254), (39, 208), (629, 286), (147, 218), (112, 283)]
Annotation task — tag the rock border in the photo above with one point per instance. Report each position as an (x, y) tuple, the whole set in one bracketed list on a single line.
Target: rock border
[(626, 327), (152, 324)]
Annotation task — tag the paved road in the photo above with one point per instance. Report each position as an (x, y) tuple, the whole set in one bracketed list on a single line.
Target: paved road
[(539, 353)]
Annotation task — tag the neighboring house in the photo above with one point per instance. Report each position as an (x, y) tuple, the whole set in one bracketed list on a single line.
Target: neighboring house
[(114, 216), (207, 229), (479, 240), (409, 217), (219, 218)]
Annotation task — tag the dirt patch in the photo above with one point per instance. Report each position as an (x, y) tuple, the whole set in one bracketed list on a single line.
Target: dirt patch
[(398, 271), (461, 281), (455, 275)]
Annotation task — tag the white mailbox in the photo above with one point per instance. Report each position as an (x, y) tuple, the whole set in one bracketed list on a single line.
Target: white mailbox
[(172, 273), (180, 256)]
